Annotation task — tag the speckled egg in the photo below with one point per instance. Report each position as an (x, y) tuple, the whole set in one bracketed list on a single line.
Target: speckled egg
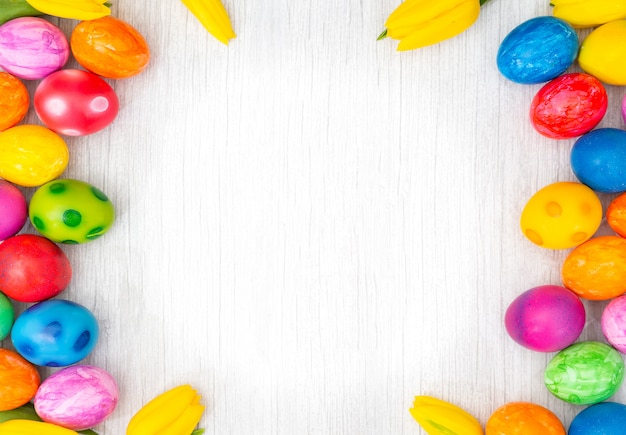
[(523, 418), (55, 333), (614, 323), (13, 210), (537, 50), (545, 319), (71, 211), (31, 48), (77, 397), (598, 160), (585, 373), (606, 418)]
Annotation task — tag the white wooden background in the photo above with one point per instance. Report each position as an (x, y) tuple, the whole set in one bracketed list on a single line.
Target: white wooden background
[(313, 228)]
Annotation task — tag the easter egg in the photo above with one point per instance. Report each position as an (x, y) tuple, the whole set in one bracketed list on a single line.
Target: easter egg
[(77, 397), (603, 53), (13, 210), (73, 102), (32, 268), (31, 155), (109, 47), (624, 108), (561, 215), (585, 373), (55, 333), (598, 160), (606, 418), (545, 319), (568, 106), (71, 211), (537, 50), (523, 418), (19, 380), (14, 100), (7, 315), (31, 48), (596, 270), (613, 323), (616, 214)]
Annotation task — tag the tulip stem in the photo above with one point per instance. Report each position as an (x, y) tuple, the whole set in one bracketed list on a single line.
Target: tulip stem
[(197, 432), (482, 2), (382, 35)]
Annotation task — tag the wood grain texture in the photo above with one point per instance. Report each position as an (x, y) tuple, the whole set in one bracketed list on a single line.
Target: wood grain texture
[(313, 228)]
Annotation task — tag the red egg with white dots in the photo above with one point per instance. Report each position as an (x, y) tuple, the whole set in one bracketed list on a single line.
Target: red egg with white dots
[(74, 102)]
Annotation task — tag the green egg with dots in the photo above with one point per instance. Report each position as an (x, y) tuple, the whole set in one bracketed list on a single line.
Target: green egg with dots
[(71, 211)]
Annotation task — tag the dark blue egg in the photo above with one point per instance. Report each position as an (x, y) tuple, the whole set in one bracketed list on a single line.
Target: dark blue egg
[(55, 333), (598, 160), (538, 50), (606, 418)]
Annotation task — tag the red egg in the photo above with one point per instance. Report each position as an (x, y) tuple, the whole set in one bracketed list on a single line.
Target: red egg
[(32, 268), (568, 106), (75, 103)]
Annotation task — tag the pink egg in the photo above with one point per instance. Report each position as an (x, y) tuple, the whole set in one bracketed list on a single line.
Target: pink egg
[(31, 48), (624, 108), (77, 397), (546, 318), (13, 210), (614, 323)]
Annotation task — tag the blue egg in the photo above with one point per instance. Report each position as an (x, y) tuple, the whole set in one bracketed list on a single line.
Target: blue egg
[(55, 333), (598, 160), (538, 50), (606, 418)]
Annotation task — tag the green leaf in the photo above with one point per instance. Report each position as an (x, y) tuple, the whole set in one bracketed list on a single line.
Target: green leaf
[(382, 35), (197, 432), (482, 2)]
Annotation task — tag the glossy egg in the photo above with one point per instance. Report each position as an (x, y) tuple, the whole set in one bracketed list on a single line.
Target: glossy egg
[(616, 214), (55, 333), (603, 53), (31, 155), (606, 418), (31, 48), (523, 418), (74, 102), (598, 160), (568, 106), (538, 50), (13, 210), (19, 380), (110, 48), (585, 373), (624, 108), (77, 397), (561, 215), (7, 316), (545, 319), (613, 323), (14, 100), (32, 268), (71, 211)]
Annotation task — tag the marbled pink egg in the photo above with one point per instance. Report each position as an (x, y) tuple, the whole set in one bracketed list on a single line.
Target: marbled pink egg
[(13, 210), (31, 48), (614, 323), (77, 397)]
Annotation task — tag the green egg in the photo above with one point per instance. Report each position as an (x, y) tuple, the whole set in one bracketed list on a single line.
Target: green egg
[(7, 315), (71, 211)]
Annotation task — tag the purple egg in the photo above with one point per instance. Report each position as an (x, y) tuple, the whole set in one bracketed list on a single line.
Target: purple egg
[(31, 48), (13, 210), (545, 319), (77, 397), (614, 323)]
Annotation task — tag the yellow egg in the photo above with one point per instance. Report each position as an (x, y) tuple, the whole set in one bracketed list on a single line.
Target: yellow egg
[(603, 53), (31, 155)]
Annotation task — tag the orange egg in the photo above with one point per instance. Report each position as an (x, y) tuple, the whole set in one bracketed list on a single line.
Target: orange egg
[(596, 270), (616, 214), (110, 48), (523, 418), (19, 380), (14, 100)]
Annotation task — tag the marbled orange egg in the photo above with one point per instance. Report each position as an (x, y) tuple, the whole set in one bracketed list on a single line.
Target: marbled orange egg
[(19, 380), (14, 100), (110, 48), (524, 418)]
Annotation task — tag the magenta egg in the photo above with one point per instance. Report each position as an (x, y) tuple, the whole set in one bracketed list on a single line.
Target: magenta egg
[(614, 323), (546, 318), (13, 210), (624, 108), (77, 397), (568, 106), (31, 48)]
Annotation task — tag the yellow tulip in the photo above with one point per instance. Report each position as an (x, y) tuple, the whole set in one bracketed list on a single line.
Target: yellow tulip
[(213, 16), (29, 427), (589, 13), (438, 417), (419, 23), (73, 9)]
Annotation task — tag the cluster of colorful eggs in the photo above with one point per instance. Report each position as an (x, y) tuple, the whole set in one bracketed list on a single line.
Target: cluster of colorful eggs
[(567, 214), (34, 270)]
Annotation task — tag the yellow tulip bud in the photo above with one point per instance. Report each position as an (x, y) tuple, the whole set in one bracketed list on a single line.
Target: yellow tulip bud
[(29, 427), (213, 16), (438, 417), (73, 9), (589, 13)]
